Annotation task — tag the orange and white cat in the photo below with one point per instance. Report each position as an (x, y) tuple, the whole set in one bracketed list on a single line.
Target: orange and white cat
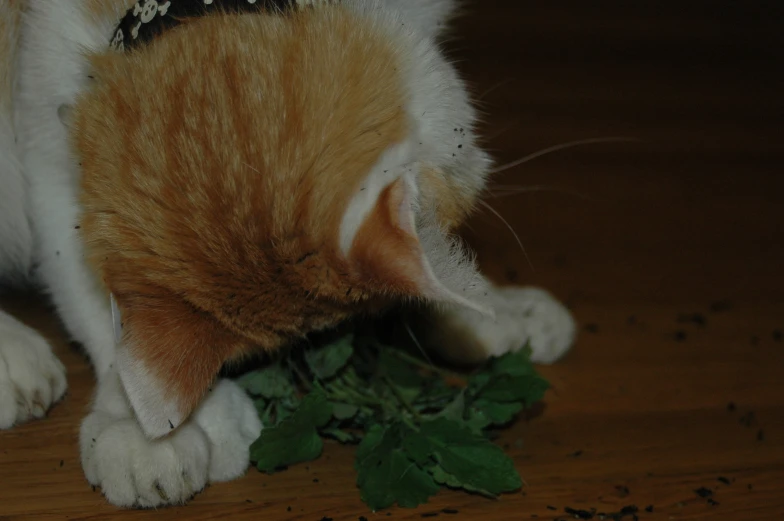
[(234, 183)]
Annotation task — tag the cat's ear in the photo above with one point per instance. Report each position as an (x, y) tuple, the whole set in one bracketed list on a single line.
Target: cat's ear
[(168, 357), (379, 237), (431, 16)]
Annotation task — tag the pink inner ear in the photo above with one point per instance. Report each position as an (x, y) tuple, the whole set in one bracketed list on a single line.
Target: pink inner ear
[(402, 197), (387, 250)]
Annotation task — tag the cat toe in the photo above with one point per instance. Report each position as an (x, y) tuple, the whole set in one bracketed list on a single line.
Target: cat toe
[(231, 423), (534, 315), (32, 379), (134, 471)]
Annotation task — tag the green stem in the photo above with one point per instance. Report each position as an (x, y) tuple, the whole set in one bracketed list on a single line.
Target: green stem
[(402, 399), (303, 379), (354, 395), (424, 365)]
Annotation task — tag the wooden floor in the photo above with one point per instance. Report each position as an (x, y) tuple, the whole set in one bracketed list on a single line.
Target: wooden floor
[(651, 405)]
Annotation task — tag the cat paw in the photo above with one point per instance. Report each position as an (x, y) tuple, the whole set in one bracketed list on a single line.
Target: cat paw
[(533, 315), (231, 423), (521, 315), (134, 471), (32, 379)]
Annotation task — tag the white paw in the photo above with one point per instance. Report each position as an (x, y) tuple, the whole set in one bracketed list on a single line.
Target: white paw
[(521, 315), (133, 471), (533, 315), (231, 423), (32, 379)]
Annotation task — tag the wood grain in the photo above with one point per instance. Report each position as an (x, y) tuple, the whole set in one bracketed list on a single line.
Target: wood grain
[(631, 236)]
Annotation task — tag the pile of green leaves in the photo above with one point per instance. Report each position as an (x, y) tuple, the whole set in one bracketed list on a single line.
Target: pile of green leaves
[(418, 427)]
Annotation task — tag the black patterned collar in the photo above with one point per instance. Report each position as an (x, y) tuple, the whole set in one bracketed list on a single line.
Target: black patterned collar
[(149, 18)]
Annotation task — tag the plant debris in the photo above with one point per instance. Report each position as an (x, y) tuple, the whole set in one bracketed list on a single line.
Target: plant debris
[(417, 427), (622, 490), (580, 514), (724, 480), (704, 492)]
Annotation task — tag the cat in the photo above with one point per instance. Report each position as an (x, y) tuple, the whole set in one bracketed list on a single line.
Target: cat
[(189, 190)]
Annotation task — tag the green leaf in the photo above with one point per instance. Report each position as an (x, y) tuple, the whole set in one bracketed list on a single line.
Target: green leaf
[(443, 477), (338, 434), (325, 362), (497, 413), (402, 373), (370, 444), (385, 473), (473, 460), (368, 398), (446, 479), (509, 378), (509, 388), (344, 411), (295, 439), (456, 409), (515, 363), (270, 382)]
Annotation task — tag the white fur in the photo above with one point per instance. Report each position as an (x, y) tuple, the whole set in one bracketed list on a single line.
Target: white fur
[(16, 240), (156, 414), (522, 315), (439, 107), (39, 211), (31, 377), (213, 445), (442, 120), (392, 165), (52, 72), (429, 16)]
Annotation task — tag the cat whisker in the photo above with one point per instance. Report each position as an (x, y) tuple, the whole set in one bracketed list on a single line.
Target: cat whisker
[(563, 146), (491, 89), (489, 137), (498, 191), (416, 342), (514, 233)]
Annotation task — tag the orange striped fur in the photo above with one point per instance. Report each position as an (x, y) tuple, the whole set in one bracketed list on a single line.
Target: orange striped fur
[(216, 168)]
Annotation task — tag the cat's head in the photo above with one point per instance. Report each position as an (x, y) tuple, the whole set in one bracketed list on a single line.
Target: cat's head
[(249, 179)]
